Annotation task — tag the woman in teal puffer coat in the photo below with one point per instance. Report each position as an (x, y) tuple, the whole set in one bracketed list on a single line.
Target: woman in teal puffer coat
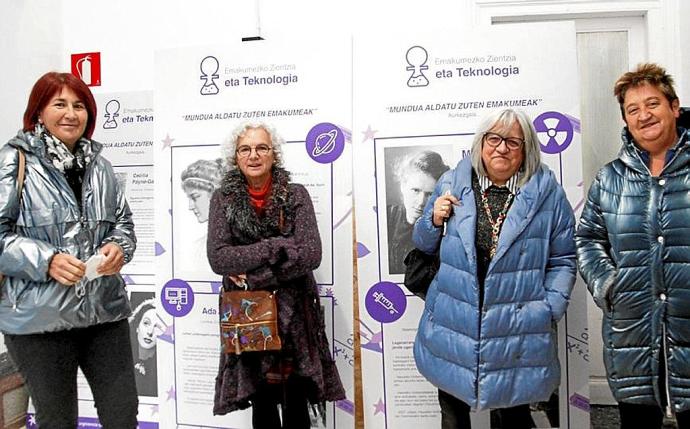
[(633, 252), (487, 336)]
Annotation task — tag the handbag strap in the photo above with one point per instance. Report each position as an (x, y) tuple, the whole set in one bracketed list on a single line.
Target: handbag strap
[(20, 173), (20, 187)]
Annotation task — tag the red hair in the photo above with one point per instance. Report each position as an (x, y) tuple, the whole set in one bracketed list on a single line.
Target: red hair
[(49, 85)]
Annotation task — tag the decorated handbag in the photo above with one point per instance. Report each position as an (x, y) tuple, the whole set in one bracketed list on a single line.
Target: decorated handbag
[(249, 321)]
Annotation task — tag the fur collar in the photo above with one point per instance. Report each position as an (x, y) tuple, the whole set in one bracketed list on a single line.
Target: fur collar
[(246, 226)]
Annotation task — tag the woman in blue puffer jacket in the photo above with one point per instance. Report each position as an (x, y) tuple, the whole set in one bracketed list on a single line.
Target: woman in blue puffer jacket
[(487, 336), (633, 252)]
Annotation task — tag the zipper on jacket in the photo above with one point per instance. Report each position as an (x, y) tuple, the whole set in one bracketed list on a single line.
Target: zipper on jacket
[(669, 408), (479, 346)]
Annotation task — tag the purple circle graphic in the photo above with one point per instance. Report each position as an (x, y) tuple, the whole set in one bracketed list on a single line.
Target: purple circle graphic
[(385, 302), (177, 297), (555, 132), (325, 142)]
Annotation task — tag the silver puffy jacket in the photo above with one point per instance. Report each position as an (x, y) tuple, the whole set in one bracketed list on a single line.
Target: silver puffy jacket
[(50, 221)]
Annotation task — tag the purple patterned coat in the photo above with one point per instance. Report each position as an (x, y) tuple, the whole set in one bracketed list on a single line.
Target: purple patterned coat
[(278, 259)]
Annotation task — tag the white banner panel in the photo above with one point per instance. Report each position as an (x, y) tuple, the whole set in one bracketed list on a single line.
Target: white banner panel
[(428, 92), (203, 93)]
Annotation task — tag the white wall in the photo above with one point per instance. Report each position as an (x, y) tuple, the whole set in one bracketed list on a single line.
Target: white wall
[(128, 32), (684, 53), (30, 45)]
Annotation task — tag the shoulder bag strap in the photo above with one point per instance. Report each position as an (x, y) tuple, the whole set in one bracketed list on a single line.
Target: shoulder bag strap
[(20, 173), (20, 187)]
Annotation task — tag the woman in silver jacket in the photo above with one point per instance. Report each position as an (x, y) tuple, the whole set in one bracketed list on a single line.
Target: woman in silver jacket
[(55, 319)]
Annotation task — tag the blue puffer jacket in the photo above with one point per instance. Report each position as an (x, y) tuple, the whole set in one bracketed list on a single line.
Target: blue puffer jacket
[(634, 254), (505, 353)]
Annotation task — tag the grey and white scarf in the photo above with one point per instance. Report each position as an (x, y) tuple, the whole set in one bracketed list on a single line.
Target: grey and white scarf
[(59, 154)]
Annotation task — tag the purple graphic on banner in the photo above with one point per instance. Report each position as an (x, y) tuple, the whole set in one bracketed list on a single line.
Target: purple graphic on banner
[(575, 121), (347, 133), (385, 302), (158, 249), (579, 401), (168, 335), (127, 279), (380, 407), (177, 297), (369, 134), (371, 340), (167, 141), (362, 250), (325, 143), (346, 405), (215, 287), (172, 394), (555, 132)]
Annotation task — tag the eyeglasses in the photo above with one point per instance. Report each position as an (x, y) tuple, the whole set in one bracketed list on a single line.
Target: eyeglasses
[(494, 140), (246, 151)]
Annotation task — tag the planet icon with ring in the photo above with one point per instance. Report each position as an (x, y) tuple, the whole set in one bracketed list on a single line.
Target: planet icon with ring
[(325, 143)]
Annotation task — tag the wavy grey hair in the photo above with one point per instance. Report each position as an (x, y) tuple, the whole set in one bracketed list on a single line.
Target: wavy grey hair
[(501, 121), (229, 146), (203, 174)]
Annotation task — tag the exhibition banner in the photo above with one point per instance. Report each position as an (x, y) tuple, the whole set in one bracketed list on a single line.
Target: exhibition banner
[(417, 98), (303, 90)]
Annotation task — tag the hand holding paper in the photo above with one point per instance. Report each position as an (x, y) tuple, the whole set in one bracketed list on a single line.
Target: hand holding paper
[(92, 265)]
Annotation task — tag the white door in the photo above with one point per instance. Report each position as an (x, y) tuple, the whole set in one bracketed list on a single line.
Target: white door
[(606, 48)]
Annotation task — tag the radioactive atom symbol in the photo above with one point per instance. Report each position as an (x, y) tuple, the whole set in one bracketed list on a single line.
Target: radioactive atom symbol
[(555, 129)]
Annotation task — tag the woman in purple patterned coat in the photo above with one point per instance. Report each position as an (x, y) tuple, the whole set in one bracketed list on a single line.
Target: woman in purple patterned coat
[(262, 228)]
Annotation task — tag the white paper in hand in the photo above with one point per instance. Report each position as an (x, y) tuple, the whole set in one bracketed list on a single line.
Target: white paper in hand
[(92, 265)]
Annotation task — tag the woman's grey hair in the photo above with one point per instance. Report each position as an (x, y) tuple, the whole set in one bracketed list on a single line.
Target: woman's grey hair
[(501, 121), (203, 174), (426, 161), (229, 146)]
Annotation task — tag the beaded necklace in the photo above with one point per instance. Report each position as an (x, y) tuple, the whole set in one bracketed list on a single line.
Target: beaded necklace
[(495, 224)]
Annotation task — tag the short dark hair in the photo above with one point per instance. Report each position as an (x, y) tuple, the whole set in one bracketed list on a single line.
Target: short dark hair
[(50, 84), (650, 73)]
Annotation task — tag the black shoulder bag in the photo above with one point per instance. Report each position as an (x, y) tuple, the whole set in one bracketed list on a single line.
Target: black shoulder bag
[(420, 269)]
